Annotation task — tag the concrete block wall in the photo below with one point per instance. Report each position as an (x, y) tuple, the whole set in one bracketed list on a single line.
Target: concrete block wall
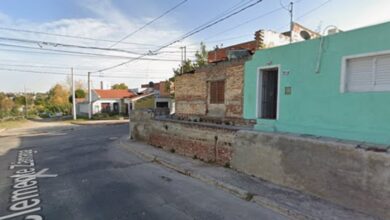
[(333, 170)]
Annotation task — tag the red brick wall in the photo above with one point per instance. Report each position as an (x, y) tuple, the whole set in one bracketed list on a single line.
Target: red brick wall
[(204, 143)]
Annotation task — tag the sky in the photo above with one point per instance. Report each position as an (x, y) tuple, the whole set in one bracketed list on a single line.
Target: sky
[(36, 66)]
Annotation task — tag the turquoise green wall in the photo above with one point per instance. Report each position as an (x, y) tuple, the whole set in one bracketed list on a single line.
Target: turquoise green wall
[(316, 105)]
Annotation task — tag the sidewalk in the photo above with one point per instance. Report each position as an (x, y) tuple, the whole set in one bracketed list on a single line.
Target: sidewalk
[(291, 203)]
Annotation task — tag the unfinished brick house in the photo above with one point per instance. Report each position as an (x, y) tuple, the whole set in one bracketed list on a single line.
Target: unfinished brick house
[(214, 93)]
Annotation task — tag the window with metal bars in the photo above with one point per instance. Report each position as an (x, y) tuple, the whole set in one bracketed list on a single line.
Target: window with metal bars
[(217, 92)]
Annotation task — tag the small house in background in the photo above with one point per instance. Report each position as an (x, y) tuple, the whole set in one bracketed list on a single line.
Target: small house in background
[(163, 93), (154, 96), (214, 93), (107, 101)]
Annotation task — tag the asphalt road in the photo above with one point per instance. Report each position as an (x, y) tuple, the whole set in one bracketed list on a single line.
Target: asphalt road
[(90, 176)]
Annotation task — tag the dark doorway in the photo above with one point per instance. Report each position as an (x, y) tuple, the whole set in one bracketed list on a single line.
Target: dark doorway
[(162, 104), (126, 109), (268, 93), (116, 107)]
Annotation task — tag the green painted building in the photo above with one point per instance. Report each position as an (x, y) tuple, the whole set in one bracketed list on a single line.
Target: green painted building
[(335, 86)]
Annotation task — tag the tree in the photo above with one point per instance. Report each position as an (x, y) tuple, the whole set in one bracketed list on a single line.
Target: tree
[(189, 66), (80, 93), (186, 67), (58, 100), (20, 100), (79, 84), (120, 86), (6, 104), (201, 56)]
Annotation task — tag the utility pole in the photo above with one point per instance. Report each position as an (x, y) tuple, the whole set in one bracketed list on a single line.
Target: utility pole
[(182, 60), (89, 97), (129, 110), (185, 53), (73, 96), (291, 21), (26, 104)]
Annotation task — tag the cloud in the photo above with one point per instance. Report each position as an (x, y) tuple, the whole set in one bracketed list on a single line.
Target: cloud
[(108, 23)]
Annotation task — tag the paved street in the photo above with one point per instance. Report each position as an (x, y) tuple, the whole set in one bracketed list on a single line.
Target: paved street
[(98, 179)]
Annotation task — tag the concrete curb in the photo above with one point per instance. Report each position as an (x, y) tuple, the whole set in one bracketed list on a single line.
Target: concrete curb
[(98, 122), (236, 191)]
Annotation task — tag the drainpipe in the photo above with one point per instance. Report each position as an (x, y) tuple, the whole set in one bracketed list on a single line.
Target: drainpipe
[(321, 48)]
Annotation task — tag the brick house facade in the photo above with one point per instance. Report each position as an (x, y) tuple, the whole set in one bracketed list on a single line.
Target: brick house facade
[(193, 92)]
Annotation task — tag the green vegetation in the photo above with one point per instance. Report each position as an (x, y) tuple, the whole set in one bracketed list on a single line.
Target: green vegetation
[(189, 66), (80, 93), (16, 106), (120, 86)]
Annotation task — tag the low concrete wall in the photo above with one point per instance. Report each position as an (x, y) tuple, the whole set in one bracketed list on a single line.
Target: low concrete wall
[(140, 124), (335, 171)]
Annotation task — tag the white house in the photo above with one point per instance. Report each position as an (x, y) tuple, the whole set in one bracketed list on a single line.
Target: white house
[(107, 101)]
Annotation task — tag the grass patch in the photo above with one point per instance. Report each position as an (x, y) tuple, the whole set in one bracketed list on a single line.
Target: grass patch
[(13, 123)]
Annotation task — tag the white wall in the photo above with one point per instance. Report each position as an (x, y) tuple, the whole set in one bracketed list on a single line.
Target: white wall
[(97, 105)]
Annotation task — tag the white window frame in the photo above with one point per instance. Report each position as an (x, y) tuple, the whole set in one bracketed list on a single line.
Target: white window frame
[(259, 85), (343, 75)]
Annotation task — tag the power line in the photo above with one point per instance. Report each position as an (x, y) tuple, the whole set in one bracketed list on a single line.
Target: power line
[(246, 22), (82, 53), (68, 74), (229, 10), (314, 9), (42, 43), (309, 12), (184, 37), (42, 66), (71, 36), (148, 23), (75, 68)]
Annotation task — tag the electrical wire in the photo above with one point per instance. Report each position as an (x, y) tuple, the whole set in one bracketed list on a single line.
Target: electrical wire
[(54, 44), (71, 36), (41, 66), (308, 12), (67, 74), (183, 37), (84, 53), (148, 23), (245, 22), (314, 9)]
